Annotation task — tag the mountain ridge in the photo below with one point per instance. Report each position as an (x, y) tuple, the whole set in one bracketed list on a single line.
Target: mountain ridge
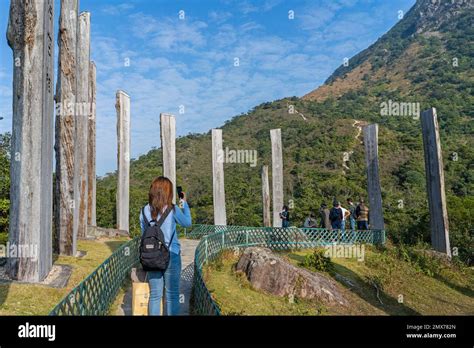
[(427, 18)]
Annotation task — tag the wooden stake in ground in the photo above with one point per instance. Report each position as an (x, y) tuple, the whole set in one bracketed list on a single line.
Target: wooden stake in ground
[(435, 182), (65, 129), (277, 175), (218, 190), (373, 180), (31, 36), (168, 146), (123, 144), (91, 151), (82, 126), (267, 219)]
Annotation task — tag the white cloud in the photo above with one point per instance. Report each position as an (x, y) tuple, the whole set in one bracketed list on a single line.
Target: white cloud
[(270, 4), (108, 55), (219, 17), (169, 34), (314, 17), (246, 7), (115, 10)]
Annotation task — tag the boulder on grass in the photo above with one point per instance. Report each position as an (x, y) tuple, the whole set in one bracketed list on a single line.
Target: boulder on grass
[(271, 273)]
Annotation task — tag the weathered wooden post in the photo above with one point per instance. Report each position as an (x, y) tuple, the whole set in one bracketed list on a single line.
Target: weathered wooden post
[(123, 144), (168, 147), (435, 182), (81, 126), (65, 125), (277, 175), (91, 149), (31, 37), (373, 181), (220, 217), (267, 219)]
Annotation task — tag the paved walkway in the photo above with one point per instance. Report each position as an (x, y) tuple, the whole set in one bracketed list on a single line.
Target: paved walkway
[(188, 247)]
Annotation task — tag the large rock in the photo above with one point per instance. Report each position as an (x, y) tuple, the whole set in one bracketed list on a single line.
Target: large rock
[(269, 272)]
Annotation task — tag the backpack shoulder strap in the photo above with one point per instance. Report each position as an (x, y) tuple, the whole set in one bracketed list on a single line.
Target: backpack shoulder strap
[(163, 217), (144, 217)]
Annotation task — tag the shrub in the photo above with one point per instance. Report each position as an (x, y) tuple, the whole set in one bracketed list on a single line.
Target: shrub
[(318, 261)]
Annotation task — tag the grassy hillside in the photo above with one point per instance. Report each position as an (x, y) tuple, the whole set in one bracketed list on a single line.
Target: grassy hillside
[(408, 282), (411, 63)]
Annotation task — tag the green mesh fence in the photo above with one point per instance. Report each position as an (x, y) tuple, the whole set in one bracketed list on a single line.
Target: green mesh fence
[(95, 294), (220, 238)]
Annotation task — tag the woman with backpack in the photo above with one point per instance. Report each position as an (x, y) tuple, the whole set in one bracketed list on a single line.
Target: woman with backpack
[(161, 214)]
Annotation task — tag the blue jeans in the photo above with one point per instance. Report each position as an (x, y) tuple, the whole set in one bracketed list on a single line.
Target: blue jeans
[(171, 277), (353, 223), (362, 225)]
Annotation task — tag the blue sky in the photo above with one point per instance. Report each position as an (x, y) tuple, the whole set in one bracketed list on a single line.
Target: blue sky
[(188, 63)]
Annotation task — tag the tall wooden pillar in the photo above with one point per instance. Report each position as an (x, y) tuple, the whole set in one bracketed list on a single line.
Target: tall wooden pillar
[(65, 129), (267, 219), (373, 180), (82, 126), (435, 182), (123, 144), (277, 175), (168, 147), (91, 149), (31, 36), (220, 217)]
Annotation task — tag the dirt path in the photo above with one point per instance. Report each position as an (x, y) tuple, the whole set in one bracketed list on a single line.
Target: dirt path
[(347, 155)]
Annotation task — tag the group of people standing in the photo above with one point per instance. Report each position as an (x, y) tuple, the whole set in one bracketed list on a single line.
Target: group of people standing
[(337, 217)]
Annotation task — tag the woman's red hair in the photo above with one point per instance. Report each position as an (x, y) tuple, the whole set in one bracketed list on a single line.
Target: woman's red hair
[(160, 195)]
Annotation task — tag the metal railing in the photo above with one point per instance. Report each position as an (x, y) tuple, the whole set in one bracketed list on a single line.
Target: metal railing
[(96, 293), (232, 237)]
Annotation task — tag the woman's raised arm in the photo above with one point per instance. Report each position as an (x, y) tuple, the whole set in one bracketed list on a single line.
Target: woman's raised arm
[(183, 217)]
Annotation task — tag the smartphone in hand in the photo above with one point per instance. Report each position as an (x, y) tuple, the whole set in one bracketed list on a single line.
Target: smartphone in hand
[(180, 192)]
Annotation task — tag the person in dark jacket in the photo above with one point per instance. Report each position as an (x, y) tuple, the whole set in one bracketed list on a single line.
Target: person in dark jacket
[(336, 216), (285, 216)]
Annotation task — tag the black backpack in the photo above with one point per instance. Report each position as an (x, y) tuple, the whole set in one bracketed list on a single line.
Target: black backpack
[(154, 254), (334, 215)]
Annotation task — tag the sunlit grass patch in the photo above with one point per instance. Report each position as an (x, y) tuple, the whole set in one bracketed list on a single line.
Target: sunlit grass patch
[(30, 299)]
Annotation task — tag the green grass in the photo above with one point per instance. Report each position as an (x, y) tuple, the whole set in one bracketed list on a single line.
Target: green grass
[(30, 299), (235, 295), (425, 285)]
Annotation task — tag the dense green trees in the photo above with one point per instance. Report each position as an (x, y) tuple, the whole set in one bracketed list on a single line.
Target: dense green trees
[(4, 185)]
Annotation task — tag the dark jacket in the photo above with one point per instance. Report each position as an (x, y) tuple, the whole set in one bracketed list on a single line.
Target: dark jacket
[(335, 214)]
